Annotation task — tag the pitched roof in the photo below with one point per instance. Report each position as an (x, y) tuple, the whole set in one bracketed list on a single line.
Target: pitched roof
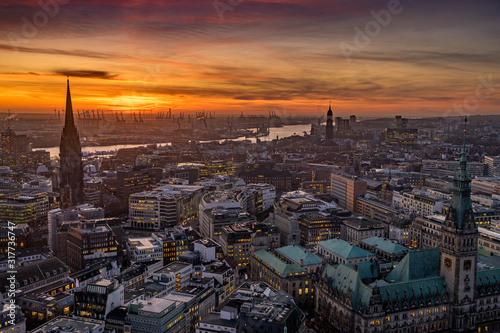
[(346, 278), (296, 253), (344, 249), (416, 265), (276, 264), (366, 269), (385, 245), (32, 273), (423, 290), (487, 277)]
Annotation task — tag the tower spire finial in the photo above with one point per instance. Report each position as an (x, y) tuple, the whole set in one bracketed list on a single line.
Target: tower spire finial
[(465, 133), (330, 105), (69, 121)]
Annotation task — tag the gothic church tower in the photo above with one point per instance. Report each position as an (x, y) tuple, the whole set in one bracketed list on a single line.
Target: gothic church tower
[(71, 168)]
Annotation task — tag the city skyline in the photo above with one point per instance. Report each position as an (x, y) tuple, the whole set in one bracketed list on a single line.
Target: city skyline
[(251, 56)]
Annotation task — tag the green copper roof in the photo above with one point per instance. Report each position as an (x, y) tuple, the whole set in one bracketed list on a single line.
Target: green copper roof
[(366, 269), (344, 249), (461, 204), (487, 277), (346, 278), (420, 290), (296, 253), (280, 266), (385, 245), (416, 265)]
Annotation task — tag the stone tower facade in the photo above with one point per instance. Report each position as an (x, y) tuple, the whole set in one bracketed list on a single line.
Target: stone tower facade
[(458, 262)]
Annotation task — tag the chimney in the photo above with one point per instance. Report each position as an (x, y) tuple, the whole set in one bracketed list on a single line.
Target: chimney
[(301, 262)]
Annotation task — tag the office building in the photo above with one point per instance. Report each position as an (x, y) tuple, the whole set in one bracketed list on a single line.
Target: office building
[(208, 249), (492, 164), (299, 215), (256, 307), (224, 277), (401, 136), (444, 168), (145, 249), (486, 185), (64, 324), (238, 241), (165, 206), (174, 276), (280, 179), (56, 217), (89, 242), (257, 198), (316, 187), (157, 315), (31, 209), (418, 202), (219, 209), (289, 277), (136, 180), (346, 189), (98, 299), (175, 242), (355, 229)]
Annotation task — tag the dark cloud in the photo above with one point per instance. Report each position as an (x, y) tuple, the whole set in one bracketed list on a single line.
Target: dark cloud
[(75, 53), (86, 74)]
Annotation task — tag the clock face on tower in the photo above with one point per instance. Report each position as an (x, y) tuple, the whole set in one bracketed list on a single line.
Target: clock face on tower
[(447, 262), (467, 265)]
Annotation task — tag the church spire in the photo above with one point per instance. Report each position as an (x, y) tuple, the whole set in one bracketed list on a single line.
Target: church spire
[(69, 121), (329, 123), (70, 163)]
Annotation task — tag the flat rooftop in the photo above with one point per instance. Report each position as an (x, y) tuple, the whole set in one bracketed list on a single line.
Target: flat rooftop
[(70, 324), (102, 283), (144, 243), (173, 268), (155, 305)]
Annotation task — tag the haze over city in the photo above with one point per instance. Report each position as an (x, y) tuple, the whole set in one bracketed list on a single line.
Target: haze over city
[(371, 58)]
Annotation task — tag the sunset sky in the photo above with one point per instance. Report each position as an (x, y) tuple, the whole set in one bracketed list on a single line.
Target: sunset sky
[(228, 56)]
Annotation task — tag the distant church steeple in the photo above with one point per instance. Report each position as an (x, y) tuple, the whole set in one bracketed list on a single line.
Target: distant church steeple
[(458, 247), (329, 123), (70, 152)]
